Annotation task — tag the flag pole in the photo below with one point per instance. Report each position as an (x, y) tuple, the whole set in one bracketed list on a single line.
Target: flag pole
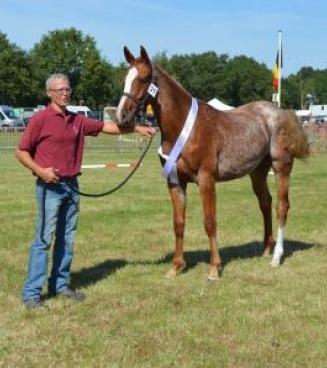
[(279, 93)]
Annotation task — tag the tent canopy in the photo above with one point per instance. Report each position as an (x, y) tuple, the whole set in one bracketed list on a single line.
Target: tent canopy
[(219, 105), (303, 113)]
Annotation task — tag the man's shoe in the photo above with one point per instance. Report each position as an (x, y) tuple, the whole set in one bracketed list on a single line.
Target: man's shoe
[(36, 303), (78, 296)]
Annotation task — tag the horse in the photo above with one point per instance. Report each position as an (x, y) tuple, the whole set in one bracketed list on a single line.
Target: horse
[(222, 145)]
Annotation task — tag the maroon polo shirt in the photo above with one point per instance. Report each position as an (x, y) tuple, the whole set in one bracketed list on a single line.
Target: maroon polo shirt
[(57, 140)]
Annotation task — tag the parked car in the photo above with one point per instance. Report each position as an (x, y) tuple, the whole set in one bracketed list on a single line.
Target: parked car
[(25, 113), (82, 110), (9, 119), (28, 112), (109, 113)]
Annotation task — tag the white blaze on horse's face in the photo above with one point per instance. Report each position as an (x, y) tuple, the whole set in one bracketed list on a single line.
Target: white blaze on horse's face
[(123, 115)]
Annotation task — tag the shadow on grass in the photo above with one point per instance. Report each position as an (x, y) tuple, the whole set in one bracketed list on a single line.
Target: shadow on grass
[(91, 275), (231, 253)]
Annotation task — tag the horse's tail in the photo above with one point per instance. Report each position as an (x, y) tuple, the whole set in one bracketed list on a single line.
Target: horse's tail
[(299, 146)]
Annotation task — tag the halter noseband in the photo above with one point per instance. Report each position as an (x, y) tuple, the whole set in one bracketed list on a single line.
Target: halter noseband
[(140, 103)]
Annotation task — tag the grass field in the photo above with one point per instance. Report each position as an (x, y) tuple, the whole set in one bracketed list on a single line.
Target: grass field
[(254, 316)]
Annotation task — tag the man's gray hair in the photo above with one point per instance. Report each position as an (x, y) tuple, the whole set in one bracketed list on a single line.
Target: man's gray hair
[(53, 77)]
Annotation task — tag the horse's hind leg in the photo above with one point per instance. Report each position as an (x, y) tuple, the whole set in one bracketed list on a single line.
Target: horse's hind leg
[(261, 190), (282, 171), (208, 196), (178, 197)]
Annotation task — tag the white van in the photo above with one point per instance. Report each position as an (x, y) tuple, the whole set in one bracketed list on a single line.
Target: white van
[(81, 110), (8, 118), (109, 113)]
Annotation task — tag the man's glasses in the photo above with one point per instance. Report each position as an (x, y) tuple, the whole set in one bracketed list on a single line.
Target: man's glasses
[(62, 91)]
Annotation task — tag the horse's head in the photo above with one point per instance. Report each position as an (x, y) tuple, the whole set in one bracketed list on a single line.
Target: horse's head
[(139, 88)]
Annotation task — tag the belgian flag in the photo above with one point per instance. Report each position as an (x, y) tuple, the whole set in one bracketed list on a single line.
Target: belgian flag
[(276, 71)]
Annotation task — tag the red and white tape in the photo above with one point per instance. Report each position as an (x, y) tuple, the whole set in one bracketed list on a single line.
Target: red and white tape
[(109, 165)]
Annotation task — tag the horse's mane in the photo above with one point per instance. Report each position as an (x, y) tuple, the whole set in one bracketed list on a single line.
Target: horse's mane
[(172, 82)]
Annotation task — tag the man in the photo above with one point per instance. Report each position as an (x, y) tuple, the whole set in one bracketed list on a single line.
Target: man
[(52, 148)]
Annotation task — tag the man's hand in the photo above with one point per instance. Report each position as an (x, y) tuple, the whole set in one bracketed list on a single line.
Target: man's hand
[(146, 131), (48, 175)]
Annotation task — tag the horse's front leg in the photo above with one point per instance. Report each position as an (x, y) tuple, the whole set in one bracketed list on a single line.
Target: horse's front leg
[(178, 198), (208, 196)]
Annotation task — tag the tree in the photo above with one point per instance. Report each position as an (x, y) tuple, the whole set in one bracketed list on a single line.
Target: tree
[(320, 85), (117, 80), (95, 85), (201, 74), (307, 82), (95, 81), (16, 84), (161, 59), (293, 94), (70, 52), (248, 81)]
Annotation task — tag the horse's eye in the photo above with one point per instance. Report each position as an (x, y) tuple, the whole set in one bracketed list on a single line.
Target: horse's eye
[(142, 80)]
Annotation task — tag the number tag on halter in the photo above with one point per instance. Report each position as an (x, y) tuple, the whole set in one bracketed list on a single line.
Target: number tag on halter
[(152, 90)]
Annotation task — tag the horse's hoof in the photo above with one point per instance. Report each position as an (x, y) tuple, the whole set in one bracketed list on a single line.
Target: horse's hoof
[(213, 278), (266, 253), (171, 274), (213, 275), (275, 263)]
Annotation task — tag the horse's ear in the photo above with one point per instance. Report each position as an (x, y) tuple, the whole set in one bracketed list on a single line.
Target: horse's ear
[(144, 55), (128, 55)]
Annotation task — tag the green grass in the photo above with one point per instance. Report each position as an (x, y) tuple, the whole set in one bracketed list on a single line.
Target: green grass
[(254, 316)]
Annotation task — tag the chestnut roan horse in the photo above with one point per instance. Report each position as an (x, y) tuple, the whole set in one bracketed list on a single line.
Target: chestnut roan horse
[(222, 146)]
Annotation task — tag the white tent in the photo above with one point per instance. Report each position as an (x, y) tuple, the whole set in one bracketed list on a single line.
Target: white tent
[(303, 113), (219, 105)]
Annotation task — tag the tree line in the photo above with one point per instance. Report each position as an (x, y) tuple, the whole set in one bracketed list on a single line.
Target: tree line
[(98, 83)]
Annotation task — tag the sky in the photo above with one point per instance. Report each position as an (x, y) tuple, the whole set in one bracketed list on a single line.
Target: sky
[(233, 27)]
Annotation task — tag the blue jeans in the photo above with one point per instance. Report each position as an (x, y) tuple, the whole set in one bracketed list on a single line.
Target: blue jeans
[(58, 208)]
